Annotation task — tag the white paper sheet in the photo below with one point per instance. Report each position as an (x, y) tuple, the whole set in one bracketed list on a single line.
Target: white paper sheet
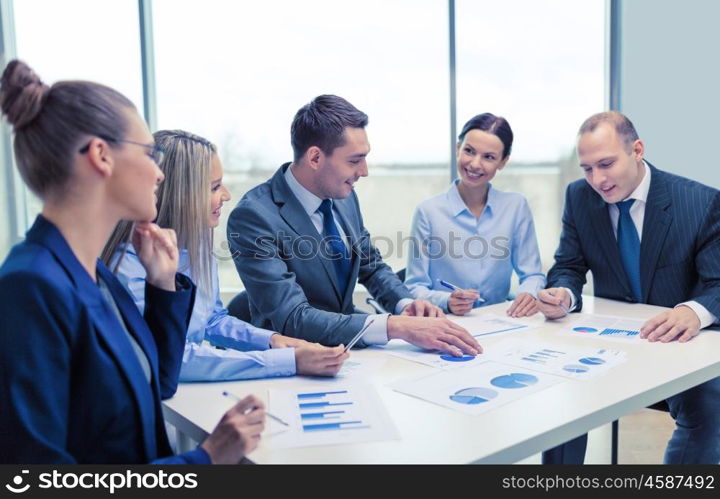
[(330, 415), (487, 324), (569, 362), (477, 389), (404, 350)]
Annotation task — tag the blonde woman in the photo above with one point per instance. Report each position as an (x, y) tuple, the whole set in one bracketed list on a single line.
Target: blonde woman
[(190, 201)]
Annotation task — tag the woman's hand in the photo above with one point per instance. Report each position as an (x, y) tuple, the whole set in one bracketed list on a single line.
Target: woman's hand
[(158, 253), (237, 433), (461, 301)]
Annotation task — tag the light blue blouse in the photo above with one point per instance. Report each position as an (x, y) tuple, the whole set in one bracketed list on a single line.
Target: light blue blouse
[(247, 355), (449, 243)]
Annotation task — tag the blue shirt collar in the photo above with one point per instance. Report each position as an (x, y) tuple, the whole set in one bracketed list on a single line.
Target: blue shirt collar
[(457, 205)]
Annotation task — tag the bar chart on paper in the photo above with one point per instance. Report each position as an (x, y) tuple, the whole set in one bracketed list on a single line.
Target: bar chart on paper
[(566, 361), (605, 327), (336, 409), (333, 415)]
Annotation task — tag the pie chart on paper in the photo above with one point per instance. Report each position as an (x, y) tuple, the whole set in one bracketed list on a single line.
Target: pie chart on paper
[(585, 329), (592, 361), (473, 396), (450, 358), (514, 380)]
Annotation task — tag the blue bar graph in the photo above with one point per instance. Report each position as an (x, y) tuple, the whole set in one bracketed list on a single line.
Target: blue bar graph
[(619, 332), (531, 358), (311, 405), (343, 425), (318, 395), (321, 415)]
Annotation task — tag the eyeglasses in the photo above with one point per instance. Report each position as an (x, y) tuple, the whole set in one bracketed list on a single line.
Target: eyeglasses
[(156, 153)]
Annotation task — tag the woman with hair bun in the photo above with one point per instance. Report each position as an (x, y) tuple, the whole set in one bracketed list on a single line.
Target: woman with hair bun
[(83, 372)]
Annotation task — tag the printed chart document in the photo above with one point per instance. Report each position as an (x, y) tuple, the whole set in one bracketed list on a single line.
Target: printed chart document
[(404, 350), (477, 389), (487, 324), (569, 362), (331, 415), (604, 326)]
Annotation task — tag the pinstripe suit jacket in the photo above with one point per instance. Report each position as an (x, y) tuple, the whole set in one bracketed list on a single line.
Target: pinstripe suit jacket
[(679, 252)]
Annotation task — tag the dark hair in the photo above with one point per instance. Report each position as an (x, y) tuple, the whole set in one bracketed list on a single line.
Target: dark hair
[(322, 123), (51, 122), (623, 126), (496, 125)]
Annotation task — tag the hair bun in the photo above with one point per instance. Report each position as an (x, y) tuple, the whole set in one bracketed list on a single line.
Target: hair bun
[(22, 94)]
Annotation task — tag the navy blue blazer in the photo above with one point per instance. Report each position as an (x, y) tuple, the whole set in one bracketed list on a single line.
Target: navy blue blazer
[(679, 252), (71, 386), (291, 285)]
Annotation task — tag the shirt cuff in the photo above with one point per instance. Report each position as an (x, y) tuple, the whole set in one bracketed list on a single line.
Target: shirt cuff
[(572, 299), (401, 305), (706, 317), (376, 334), (260, 338), (280, 362)]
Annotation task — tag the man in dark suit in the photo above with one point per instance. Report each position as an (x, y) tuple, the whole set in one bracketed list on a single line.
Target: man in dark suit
[(648, 237), (299, 244)]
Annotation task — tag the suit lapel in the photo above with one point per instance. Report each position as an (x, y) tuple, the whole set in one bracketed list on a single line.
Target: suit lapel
[(655, 228), (606, 239), (297, 219), (106, 325)]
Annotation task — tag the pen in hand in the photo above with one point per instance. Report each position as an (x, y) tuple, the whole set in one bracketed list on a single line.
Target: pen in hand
[(561, 305), (454, 287), (271, 416)]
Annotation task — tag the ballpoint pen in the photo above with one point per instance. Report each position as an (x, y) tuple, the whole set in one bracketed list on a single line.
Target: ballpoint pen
[(454, 287), (561, 305), (268, 414), (357, 337)]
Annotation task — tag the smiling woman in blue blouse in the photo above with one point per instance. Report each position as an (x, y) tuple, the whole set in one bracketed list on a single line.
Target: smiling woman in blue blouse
[(473, 236), (190, 201)]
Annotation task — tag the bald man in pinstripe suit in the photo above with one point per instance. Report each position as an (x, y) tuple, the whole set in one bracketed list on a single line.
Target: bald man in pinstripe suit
[(650, 237)]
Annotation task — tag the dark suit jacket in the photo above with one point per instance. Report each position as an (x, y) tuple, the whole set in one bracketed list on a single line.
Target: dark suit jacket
[(291, 286), (71, 386), (679, 252)]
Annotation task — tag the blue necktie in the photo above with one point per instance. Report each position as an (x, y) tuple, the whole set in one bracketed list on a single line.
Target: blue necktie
[(629, 244), (335, 247)]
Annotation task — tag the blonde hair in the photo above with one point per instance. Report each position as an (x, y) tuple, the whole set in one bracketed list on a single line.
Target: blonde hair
[(183, 202)]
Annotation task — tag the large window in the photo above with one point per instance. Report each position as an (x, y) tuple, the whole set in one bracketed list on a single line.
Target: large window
[(77, 40), (237, 72), (541, 65)]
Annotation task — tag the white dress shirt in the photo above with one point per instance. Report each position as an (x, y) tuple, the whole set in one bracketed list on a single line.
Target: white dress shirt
[(377, 332)]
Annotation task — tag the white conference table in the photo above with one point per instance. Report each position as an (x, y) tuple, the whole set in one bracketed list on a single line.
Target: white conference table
[(430, 433)]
